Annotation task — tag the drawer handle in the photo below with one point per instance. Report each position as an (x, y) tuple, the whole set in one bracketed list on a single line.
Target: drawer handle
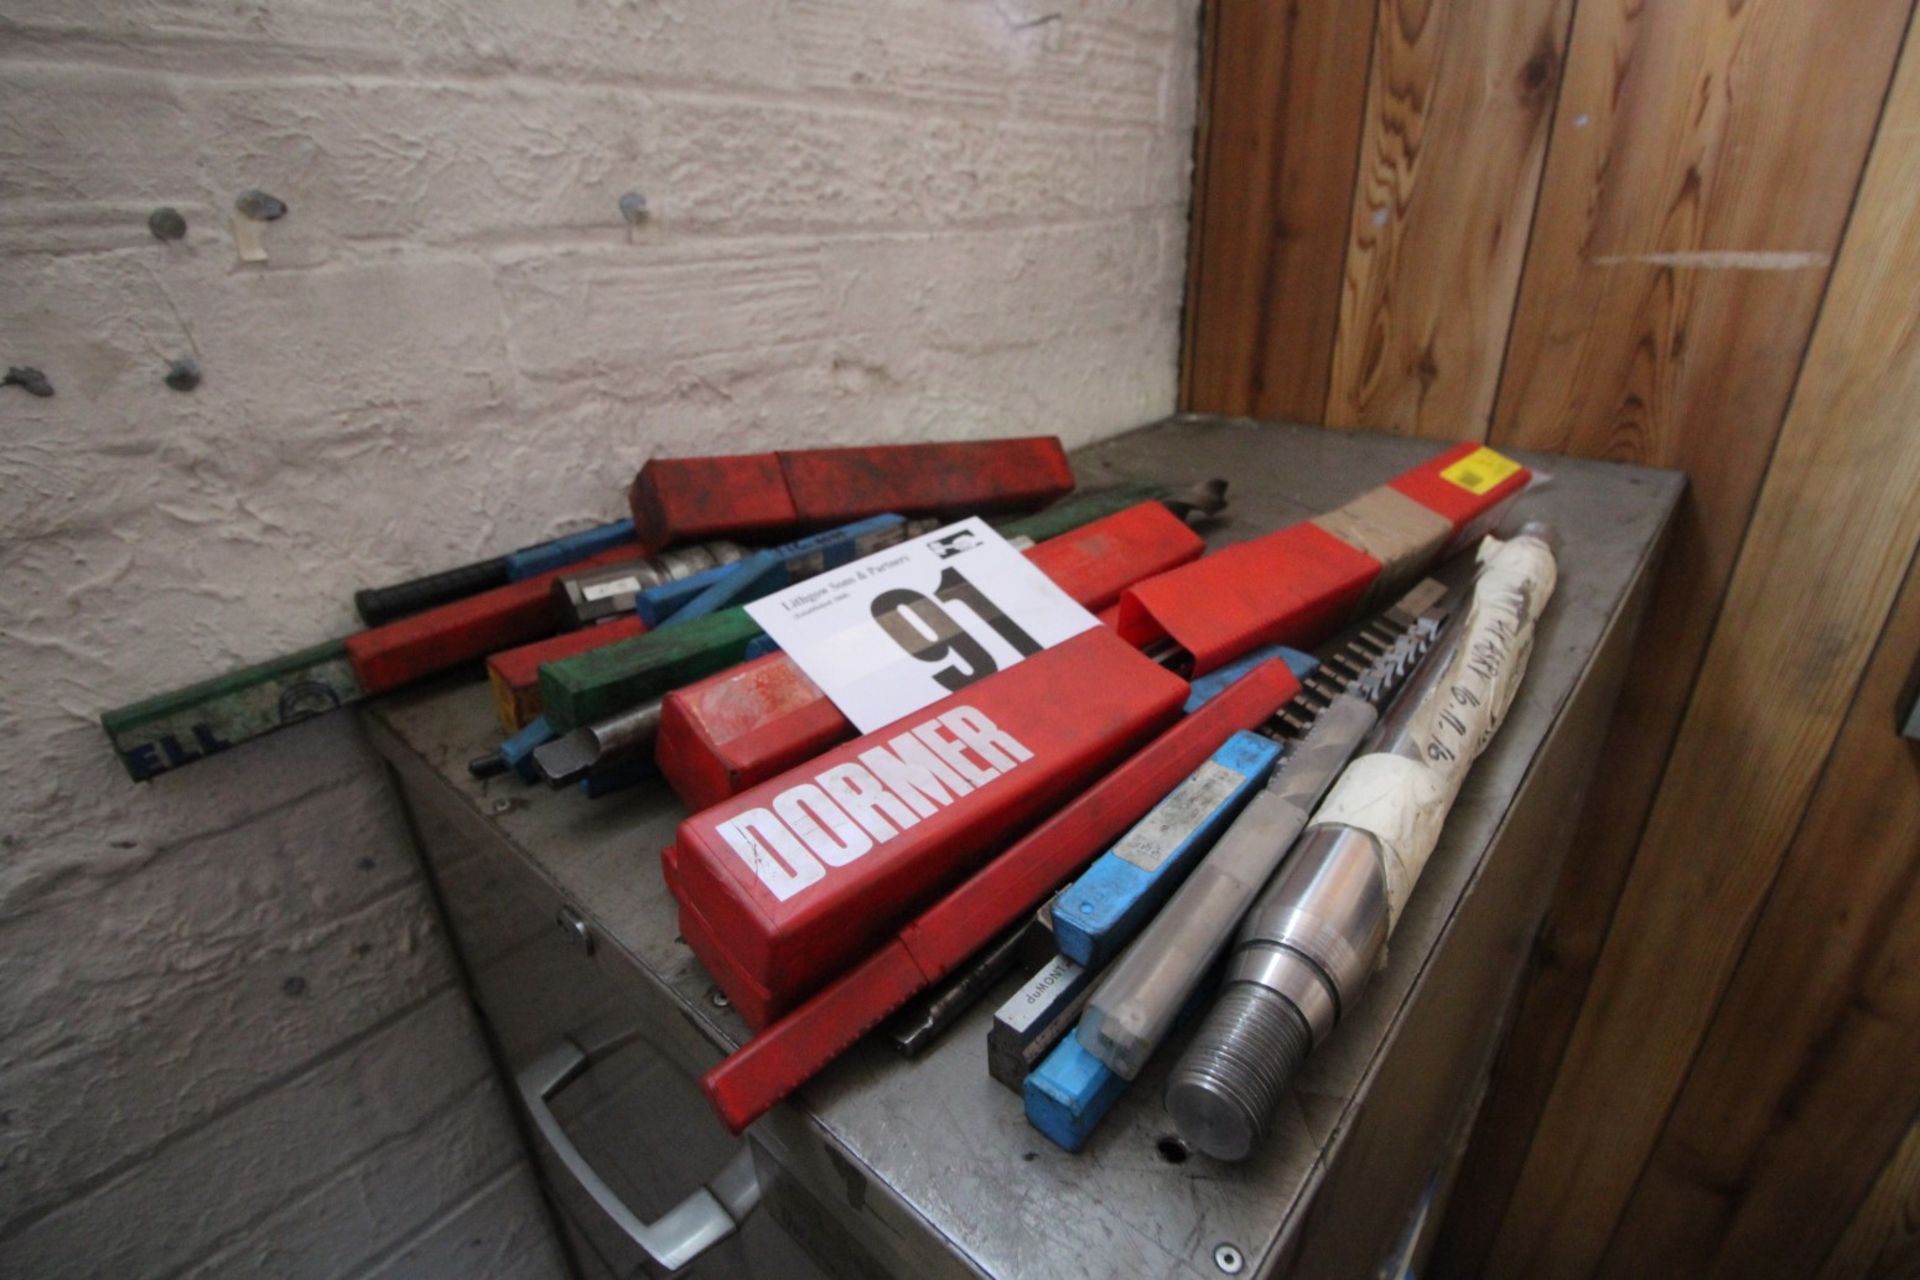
[(684, 1232)]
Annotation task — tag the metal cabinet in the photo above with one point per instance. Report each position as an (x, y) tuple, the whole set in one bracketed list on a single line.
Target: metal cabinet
[(603, 1018), (611, 1109)]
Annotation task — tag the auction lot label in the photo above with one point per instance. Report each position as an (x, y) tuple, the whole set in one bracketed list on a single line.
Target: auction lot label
[(908, 625)]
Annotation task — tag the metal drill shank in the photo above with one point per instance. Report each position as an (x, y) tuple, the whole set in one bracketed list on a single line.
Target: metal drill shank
[(1314, 935), (1138, 1000), (569, 757), (1307, 948), (637, 576), (1303, 956), (1328, 904)]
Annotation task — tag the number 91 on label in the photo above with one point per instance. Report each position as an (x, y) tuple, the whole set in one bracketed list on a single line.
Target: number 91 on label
[(903, 628)]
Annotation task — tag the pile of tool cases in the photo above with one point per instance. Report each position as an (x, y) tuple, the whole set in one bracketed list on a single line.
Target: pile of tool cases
[(1193, 820)]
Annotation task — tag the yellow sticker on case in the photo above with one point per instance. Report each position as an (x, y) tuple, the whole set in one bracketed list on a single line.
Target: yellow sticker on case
[(1481, 470)]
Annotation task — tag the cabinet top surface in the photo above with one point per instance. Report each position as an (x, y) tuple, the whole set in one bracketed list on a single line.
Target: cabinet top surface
[(937, 1131)]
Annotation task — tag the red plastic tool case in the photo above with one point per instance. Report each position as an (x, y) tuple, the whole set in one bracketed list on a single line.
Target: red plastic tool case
[(679, 499), (515, 673), (1296, 585), (781, 886), (1012, 884), (386, 657), (721, 735)]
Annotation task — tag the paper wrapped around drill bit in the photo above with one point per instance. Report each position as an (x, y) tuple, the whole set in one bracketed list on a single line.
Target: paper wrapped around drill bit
[(1402, 801)]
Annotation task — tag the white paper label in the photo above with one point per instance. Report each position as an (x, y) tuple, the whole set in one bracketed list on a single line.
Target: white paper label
[(1177, 817), (616, 587), (910, 624), (1025, 1006)]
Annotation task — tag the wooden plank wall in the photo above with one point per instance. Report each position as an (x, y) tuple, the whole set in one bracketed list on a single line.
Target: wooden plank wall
[(1683, 234)]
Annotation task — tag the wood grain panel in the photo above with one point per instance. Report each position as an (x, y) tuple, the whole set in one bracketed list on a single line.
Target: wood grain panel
[(1288, 84), (1206, 172), (1460, 97), (1829, 540), (1812, 1067), (1685, 136), (1883, 1239)]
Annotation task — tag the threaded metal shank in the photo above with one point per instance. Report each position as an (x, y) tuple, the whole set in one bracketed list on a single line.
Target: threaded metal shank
[(1228, 1081)]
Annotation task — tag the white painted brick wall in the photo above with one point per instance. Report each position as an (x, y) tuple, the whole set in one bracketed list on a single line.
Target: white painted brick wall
[(231, 1040)]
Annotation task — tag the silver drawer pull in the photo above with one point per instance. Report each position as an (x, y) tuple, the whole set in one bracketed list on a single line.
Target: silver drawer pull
[(684, 1232)]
